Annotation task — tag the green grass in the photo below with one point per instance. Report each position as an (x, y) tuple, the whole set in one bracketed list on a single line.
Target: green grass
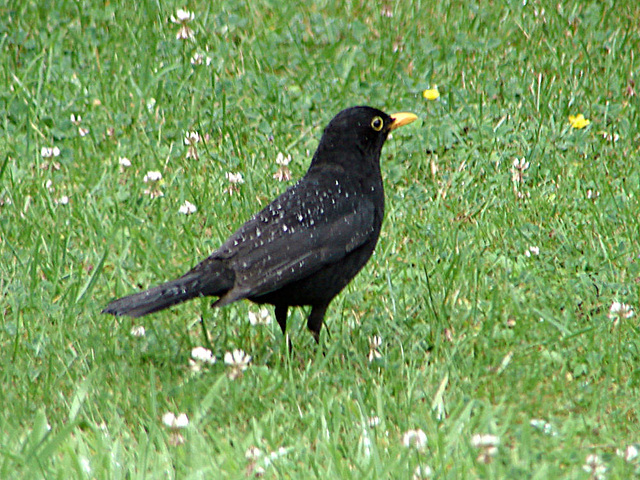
[(477, 337)]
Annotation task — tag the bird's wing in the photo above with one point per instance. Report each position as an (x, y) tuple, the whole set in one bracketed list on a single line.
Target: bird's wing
[(300, 232)]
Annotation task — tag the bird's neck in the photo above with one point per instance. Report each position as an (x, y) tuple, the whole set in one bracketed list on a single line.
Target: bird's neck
[(352, 162)]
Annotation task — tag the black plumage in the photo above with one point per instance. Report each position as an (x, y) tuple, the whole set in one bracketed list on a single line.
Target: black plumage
[(305, 246)]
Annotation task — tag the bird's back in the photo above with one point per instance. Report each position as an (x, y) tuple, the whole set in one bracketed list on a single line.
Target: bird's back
[(309, 242)]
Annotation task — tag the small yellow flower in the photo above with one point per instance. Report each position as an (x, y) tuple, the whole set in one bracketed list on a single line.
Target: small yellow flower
[(431, 93), (578, 121)]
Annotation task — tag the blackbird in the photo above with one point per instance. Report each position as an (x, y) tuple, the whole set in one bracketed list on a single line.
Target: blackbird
[(305, 246)]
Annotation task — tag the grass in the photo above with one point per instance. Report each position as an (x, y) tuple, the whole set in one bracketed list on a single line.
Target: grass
[(477, 336)]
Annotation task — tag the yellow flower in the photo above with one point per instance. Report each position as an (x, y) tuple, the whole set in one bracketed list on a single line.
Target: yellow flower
[(578, 121), (431, 93)]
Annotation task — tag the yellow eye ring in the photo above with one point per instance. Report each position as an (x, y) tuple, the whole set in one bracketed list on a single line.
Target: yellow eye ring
[(377, 124)]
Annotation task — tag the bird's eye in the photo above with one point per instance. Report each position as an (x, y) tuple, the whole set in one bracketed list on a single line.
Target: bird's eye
[(377, 124)]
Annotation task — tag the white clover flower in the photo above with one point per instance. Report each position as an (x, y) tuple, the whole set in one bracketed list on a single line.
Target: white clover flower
[(63, 200), (182, 420), (595, 467), (544, 426), (421, 472), (187, 208), (415, 439), (532, 250), (48, 152), (262, 317), (592, 194), (282, 160), (137, 331), (124, 162), (520, 164), (518, 168), (49, 185), (76, 120), (374, 421), (539, 13), (169, 419), (488, 445), (191, 138), (85, 465), (200, 357), (629, 454), (234, 178), (374, 345), (620, 310), (199, 58), (283, 174), (175, 422), (203, 355), (482, 440), (152, 176), (183, 17), (238, 361), (237, 358), (365, 443), (253, 453), (268, 459)]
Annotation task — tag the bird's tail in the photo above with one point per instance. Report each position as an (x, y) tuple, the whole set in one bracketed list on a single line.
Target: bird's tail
[(207, 279)]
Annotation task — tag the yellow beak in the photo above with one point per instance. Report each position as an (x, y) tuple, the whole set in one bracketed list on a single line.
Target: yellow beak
[(402, 118)]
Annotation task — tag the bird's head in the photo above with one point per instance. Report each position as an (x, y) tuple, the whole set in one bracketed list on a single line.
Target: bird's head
[(358, 132)]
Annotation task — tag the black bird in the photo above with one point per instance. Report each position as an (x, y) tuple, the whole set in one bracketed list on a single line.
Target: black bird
[(305, 246)]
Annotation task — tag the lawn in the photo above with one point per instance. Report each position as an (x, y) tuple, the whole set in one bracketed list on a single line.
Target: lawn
[(495, 332)]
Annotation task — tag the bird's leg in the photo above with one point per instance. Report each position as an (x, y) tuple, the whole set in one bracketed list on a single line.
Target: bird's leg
[(314, 322), (281, 317), (207, 337)]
